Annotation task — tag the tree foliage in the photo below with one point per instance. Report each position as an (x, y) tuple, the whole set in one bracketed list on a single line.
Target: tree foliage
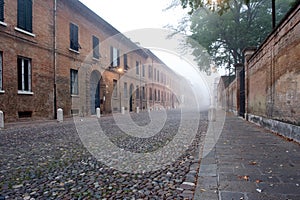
[(226, 28)]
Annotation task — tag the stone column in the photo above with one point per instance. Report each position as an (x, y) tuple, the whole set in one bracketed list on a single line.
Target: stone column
[(248, 52)]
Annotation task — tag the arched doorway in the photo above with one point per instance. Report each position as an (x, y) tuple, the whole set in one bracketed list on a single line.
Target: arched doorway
[(131, 89), (94, 91)]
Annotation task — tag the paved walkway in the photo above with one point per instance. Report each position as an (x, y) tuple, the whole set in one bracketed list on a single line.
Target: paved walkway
[(249, 163)]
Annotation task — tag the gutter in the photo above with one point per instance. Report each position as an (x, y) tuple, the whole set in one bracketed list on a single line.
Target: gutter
[(54, 59)]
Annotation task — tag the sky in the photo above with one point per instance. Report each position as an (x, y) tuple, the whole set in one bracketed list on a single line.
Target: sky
[(144, 21), (128, 15)]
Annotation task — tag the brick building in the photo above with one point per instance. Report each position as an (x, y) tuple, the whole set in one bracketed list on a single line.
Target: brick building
[(60, 54)]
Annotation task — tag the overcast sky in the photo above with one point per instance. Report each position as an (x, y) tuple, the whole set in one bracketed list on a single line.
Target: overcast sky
[(128, 15), (134, 17)]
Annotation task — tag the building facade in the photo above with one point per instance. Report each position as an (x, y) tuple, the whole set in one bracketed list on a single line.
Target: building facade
[(59, 54)]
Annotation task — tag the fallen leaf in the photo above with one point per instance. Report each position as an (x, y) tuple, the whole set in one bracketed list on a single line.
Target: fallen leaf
[(203, 190), (246, 178), (253, 163), (258, 181)]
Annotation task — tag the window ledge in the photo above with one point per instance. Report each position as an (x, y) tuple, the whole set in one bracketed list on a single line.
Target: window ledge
[(25, 32), (25, 92), (74, 51), (74, 95), (3, 23), (2, 91), (96, 59)]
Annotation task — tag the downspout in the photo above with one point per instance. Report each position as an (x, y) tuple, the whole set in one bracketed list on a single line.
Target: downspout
[(54, 59)]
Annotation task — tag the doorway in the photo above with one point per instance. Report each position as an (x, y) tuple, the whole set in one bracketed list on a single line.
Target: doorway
[(94, 91), (131, 96)]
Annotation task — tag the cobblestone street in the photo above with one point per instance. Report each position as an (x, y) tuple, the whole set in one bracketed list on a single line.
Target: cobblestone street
[(47, 160)]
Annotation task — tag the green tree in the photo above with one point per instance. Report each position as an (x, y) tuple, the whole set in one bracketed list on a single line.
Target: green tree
[(225, 29)]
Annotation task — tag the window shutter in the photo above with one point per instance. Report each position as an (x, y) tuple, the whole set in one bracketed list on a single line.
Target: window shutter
[(111, 56), (76, 38), (28, 15), (96, 47), (71, 36), (19, 74), (25, 75), (118, 57), (21, 14), (2, 10)]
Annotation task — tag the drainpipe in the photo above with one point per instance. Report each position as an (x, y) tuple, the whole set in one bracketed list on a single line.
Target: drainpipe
[(273, 14), (54, 58)]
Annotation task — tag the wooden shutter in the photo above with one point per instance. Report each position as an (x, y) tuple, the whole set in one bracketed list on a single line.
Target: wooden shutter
[(96, 47), (20, 74), (25, 15), (21, 14), (2, 10), (71, 36), (28, 15), (74, 37), (111, 56), (118, 57)]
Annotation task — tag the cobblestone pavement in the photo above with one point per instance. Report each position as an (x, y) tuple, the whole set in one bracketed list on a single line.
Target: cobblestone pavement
[(47, 160), (249, 163)]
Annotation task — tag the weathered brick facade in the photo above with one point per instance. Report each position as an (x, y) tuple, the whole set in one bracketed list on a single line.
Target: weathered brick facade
[(272, 77), (52, 56), (14, 43), (274, 73)]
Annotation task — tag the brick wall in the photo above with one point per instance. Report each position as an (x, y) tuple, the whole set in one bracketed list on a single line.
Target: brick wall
[(274, 74), (38, 48)]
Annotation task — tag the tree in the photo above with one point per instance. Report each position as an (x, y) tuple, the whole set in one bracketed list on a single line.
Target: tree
[(225, 29)]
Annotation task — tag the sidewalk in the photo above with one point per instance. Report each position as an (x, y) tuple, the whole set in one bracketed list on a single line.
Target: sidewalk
[(249, 163)]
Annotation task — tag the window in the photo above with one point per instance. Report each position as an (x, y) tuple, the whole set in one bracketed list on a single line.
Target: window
[(24, 74), (157, 75), (1, 72), (126, 67), (115, 89), (149, 71), (143, 70), (150, 93), (114, 57), (155, 95), (158, 95), (96, 53), (143, 93), (137, 92), (1, 10), (125, 90), (74, 81), (25, 15), (74, 37), (137, 67)]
